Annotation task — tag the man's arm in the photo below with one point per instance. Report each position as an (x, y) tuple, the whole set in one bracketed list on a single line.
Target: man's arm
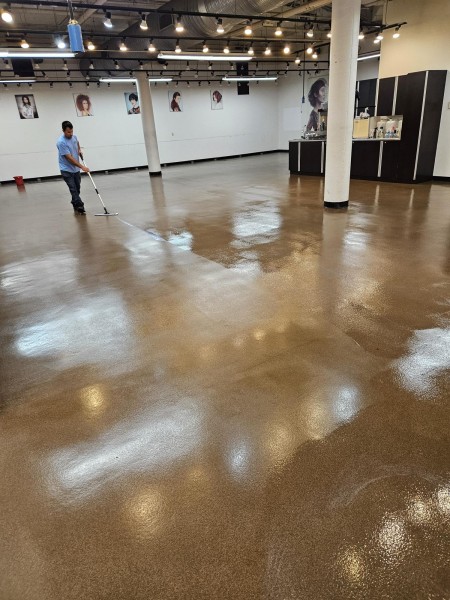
[(71, 159)]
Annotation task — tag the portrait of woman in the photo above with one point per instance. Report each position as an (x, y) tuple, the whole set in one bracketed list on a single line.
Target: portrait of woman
[(175, 102), (27, 107), (83, 105), (216, 100), (317, 97), (132, 103)]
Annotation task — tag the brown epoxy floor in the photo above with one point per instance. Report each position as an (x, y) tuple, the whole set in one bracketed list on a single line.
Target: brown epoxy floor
[(257, 408)]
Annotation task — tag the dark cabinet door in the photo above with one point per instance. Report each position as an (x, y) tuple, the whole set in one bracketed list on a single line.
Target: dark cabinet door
[(311, 158), (365, 158), (390, 159), (293, 156)]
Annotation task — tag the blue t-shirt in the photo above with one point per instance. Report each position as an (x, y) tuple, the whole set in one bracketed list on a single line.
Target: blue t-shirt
[(67, 146)]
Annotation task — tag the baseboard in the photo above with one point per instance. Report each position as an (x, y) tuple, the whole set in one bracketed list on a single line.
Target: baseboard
[(440, 178), (140, 167)]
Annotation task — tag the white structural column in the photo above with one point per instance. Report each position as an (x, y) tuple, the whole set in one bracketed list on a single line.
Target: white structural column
[(345, 18), (148, 124)]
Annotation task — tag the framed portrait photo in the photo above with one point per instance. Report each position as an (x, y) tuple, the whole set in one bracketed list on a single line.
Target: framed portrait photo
[(83, 105), (26, 106), (175, 101), (216, 100), (132, 103)]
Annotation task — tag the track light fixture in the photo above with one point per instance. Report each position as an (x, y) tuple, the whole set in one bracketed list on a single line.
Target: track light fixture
[(179, 27), (396, 33), (151, 47), (6, 15), (91, 66), (220, 28), (123, 46), (278, 30), (24, 44), (65, 67), (90, 45), (248, 28), (116, 65), (107, 20), (379, 36), (143, 24)]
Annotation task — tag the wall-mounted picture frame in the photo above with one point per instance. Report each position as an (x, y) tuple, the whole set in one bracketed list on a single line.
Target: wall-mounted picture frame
[(132, 103), (175, 101), (26, 106), (83, 105), (216, 100)]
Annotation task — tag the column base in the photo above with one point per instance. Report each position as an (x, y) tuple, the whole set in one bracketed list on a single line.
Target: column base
[(336, 204), (155, 173)]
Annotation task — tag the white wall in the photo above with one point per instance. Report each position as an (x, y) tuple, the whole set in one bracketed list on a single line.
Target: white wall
[(114, 139), (442, 164), (424, 43)]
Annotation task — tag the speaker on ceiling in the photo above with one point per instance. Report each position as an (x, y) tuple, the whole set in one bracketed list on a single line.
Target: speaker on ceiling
[(23, 67), (243, 88)]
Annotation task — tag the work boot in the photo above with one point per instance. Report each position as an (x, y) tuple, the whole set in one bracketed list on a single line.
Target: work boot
[(79, 210)]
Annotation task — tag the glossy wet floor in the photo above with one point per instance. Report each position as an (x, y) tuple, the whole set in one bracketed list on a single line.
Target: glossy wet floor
[(226, 392)]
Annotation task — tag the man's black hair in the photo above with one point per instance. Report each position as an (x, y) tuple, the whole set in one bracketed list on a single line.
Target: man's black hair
[(66, 125)]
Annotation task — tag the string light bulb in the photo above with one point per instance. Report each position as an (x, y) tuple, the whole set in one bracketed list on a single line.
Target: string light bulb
[(61, 44), (396, 33), (297, 60), (310, 32), (278, 30), (143, 24), (6, 16), (248, 28), (361, 35), (220, 28), (287, 49), (226, 50), (151, 47), (90, 45), (251, 51), (205, 48), (309, 50), (267, 51), (24, 44), (107, 20), (123, 46), (177, 48), (179, 27)]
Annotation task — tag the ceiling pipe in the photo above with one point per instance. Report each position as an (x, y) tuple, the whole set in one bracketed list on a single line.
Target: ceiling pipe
[(298, 10)]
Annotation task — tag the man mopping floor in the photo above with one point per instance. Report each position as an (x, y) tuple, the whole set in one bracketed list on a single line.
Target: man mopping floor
[(69, 154)]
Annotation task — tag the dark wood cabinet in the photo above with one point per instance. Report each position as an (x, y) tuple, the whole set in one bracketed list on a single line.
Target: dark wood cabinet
[(365, 159), (311, 158)]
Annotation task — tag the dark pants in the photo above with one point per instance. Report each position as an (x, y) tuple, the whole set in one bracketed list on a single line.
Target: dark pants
[(73, 181)]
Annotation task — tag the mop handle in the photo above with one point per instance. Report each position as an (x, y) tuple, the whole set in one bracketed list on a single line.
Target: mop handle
[(93, 183)]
